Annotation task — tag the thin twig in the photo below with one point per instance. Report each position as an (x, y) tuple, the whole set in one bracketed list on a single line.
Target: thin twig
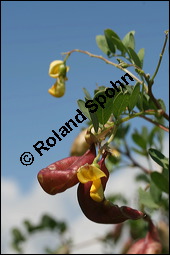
[(135, 163), (160, 58), (151, 81), (155, 123), (108, 62), (156, 102)]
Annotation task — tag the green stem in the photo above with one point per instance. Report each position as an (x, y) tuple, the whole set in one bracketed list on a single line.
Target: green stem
[(137, 114), (112, 135), (160, 58), (156, 102), (97, 157), (142, 115), (65, 59)]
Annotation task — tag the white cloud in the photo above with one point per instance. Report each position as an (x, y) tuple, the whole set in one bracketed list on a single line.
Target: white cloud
[(17, 207)]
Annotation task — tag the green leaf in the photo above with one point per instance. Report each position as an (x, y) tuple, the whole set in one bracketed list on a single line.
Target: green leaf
[(102, 44), (165, 172), (162, 104), (100, 88), (142, 177), (109, 41), (134, 57), (159, 158), (146, 199), (95, 121), (143, 153), (144, 133), (120, 46), (138, 229), (122, 131), (104, 114), (129, 40), (134, 97), (114, 160), (83, 108), (145, 103), (18, 235), (141, 55), (120, 103), (113, 40), (152, 135), (160, 181), (139, 103), (87, 94), (139, 140), (155, 192), (128, 88)]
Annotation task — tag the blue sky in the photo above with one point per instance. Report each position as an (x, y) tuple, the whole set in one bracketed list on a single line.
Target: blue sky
[(36, 33)]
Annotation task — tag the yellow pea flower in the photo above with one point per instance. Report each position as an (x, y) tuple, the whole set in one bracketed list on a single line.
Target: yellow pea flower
[(58, 89), (57, 68), (115, 153), (92, 173)]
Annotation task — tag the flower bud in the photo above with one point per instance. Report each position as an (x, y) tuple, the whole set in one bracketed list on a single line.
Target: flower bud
[(122, 63), (140, 71), (62, 174), (62, 70)]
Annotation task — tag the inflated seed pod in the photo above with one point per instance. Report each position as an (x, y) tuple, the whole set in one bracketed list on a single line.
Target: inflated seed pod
[(79, 145), (62, 174)]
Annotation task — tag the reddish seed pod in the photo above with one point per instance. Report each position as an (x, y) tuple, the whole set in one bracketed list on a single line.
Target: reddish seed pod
[(103, 212), (62, 174), (148, 245)]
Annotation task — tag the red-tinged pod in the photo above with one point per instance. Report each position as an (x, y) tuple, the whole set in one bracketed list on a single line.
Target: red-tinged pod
[(148, 245), (62, 174), (103, 212), (131, 213)]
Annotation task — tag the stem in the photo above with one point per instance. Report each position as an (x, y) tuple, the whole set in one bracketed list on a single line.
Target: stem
[(151, 81), (136, 114), (141, 114), (135, 163), (113, 134), (65, 59), (97, 157), (155, 123), (108, 62), (156, 102), (160, 58)]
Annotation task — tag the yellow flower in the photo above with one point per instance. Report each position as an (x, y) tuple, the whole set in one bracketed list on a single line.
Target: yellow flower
[(115, 153), (92, 173), (58, 89), (57, 69)]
